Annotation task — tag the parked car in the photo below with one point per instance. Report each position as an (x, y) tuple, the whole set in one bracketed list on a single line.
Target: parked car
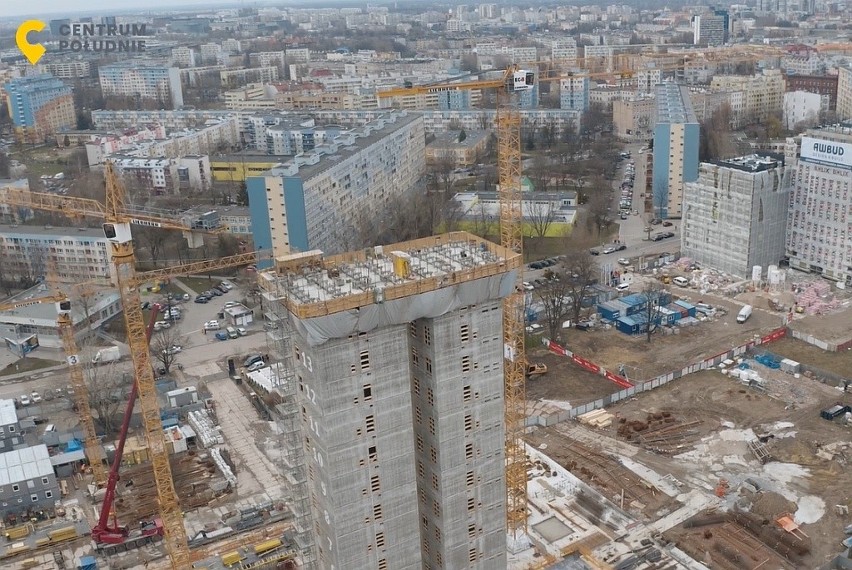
[(227, 285), (160, 325), (173, 349), (25, 400), (36, 397), (212, 326), (623, 216), (242, 331), (202, 299), (623, 261), (185, 297), (622, 286), (145, 305), (582, 326), (535, 328), (232, 332), (221, 289), (255, 366), (222, 335), (216, 292), (594, 252), (668, 224), (230, 304), (609, 249), (656, 222), (251, 359)]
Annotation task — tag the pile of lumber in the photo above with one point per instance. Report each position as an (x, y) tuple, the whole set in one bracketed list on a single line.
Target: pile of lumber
[(597, 418)]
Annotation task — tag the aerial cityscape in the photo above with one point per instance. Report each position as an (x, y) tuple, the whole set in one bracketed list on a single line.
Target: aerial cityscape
[(419, 286)]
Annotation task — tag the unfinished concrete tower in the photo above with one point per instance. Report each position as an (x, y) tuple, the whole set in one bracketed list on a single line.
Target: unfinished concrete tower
[(398, 359)]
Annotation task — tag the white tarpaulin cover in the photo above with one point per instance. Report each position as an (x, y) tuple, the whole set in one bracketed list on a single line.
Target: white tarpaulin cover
[(319, 330)]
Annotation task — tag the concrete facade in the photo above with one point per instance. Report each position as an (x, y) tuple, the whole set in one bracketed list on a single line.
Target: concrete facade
[(10, 430), (146, 82), (819, 238), (844, 93), (735, 214), (39, 105), (633, 119), (676, 140), (763, 93), (317, 199), (402, 415)]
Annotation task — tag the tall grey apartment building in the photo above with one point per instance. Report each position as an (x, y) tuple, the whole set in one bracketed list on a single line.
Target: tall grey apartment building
[(399, 363)]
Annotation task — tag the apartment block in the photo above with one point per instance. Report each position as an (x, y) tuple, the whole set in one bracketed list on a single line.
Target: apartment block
[(402, 400), (231, 78), (819, 228), (844, 93), (710, 29), (75, 69), (27, 481), (763, 93), (574, 93), (161, 176), (464, 152), (803, 109), (633, 119), (267, 59), (143, 81), (676, 140), (39, 105), (564, 50), (821, 84), (735, 214), (184, 56), (318, 198), (80, 254)]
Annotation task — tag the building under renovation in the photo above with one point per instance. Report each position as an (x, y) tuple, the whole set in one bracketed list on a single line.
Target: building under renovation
[(735, 214), (397, 376)]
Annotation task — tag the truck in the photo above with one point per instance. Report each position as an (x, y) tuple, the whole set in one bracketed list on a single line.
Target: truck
[(105, 355), (744, 314)]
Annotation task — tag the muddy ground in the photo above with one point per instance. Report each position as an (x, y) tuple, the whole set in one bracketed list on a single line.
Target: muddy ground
[(800, 351), (565, 381)]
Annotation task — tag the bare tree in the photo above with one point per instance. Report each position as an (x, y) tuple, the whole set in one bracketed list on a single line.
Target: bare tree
[(579, 272), (108, 391), (153, 240), (443, 170), (540, 216), (654, 292), (556, 304), (540, 173), (85, 296), (164, 346), (484, 224), (599, 213)]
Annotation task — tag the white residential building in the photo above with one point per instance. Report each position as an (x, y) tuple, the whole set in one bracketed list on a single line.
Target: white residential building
[(145, 82), (803, 108), (819, 228), (184, 56)]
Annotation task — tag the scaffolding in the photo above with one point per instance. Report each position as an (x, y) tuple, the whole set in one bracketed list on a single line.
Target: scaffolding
[(285, 414)]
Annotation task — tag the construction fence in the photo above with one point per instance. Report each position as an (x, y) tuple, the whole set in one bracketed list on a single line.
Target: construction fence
[(629, 389)]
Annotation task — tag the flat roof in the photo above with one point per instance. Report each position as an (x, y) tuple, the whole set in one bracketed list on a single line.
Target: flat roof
[(21, 465), (673, 104), (8, 416), (360, 142), (70, 232), (316, 285)]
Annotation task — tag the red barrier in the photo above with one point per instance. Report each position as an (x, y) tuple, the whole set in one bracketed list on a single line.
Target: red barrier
[(774, 335), (553, 347), (587, 364), (623, 382)]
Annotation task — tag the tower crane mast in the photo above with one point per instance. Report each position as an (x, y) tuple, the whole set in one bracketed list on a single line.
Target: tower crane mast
[(509, 164)]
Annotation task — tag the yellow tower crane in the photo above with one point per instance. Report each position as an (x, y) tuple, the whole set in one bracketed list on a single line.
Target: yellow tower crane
[(94, 452), (514, 80), (117, 220)]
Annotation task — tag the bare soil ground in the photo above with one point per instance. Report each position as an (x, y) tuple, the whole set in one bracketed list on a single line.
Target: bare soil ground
[(711, 398), (666, 353), (833, 327), (565, 380), (800, 351)]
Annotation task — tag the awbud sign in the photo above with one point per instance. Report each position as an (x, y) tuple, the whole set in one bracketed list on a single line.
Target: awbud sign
[(831, 152)]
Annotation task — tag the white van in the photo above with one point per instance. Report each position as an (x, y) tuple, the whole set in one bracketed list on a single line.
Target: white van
[(680, 281), (744, 314)]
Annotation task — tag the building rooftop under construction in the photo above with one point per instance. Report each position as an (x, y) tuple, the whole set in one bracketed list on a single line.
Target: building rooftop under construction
[(393, 345)]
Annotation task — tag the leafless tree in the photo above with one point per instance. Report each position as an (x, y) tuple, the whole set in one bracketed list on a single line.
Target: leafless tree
[(654, 291), (108, 391), (599, 213), (85, 296), (153, 240), (483, 223), (162, 344), (443, 170), (540, 216), (579, 272), (540, 173), (556, 304)]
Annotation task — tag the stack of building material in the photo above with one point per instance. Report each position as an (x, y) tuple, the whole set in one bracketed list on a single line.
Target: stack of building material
[(790, 366), (816, 299), (207, 433), (223, 467), (597, 418)]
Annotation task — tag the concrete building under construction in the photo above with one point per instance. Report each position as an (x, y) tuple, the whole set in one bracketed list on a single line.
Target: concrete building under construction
[(397, 375)]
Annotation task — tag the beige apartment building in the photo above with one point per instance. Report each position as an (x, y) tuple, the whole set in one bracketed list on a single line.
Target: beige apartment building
[(633, 119), (844, 93), (763, 93)]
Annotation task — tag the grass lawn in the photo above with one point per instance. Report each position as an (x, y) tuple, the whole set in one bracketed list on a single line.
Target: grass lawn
[(28, 364), (199, 284)]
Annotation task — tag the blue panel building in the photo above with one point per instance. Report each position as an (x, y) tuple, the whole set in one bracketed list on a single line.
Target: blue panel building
[(676, 141)]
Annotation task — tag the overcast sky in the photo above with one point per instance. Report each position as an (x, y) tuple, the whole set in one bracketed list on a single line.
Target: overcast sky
[(40, 9)]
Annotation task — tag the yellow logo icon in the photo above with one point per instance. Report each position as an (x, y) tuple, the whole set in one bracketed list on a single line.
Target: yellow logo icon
[(32, 52)]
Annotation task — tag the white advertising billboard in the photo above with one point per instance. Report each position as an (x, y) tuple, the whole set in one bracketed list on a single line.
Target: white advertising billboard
[(827, 151)]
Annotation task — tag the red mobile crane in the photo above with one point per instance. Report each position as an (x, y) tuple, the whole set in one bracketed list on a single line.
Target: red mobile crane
[(112, 538)]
